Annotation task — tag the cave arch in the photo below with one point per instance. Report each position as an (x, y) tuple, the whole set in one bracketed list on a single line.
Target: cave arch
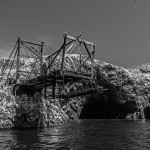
[(147, 112), (103, 106), (91, 110)]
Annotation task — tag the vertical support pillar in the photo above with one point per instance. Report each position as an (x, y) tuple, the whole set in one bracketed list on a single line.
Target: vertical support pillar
[(44, 85), (63, 54), (18, 60), (63, 57), (41, 59), (53, 88), (92, 59), (80, 58)]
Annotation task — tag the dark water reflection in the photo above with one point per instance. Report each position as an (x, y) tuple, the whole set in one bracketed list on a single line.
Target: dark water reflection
[(81, 135)]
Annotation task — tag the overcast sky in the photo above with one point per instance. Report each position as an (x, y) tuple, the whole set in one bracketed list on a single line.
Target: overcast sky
[(120, 28)]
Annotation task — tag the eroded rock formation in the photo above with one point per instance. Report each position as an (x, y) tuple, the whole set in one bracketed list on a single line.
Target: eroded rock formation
[(127, 97)]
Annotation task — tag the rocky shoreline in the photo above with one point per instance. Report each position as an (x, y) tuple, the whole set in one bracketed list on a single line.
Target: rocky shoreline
[(127, 97)]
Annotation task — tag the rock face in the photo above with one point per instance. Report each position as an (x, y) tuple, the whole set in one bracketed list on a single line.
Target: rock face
[(127, 97)]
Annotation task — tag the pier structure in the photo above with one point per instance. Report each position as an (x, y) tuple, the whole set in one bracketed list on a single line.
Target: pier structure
[(31, 70)]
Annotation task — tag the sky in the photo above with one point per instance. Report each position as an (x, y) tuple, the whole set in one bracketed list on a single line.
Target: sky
[(120, 28)]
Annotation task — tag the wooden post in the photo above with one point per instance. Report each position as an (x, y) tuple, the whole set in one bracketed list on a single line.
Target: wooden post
[(45, 85), (63, 54), (41, 59), (18, 60), (80, 59), (92, 59), (53, 88)]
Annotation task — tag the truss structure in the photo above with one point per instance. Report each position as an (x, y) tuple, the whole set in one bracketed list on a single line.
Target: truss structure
[(25, 61), (70, 66)]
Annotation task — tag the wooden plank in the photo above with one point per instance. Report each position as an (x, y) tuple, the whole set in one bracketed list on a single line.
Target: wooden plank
[(79, 40)]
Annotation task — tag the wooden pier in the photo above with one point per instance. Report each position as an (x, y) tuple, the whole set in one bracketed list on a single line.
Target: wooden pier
[(45, 77)]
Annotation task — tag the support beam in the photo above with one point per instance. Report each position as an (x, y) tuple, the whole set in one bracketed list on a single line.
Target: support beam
[(18, 60), (32, 43), (44, 87), (54, 88), (92, 60), (41, 59), (63, 53), (87, 50), (50, 63), (30, 49), (79, 40)]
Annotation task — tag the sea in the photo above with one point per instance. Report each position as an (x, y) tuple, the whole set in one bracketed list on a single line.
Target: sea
[(81, 135)]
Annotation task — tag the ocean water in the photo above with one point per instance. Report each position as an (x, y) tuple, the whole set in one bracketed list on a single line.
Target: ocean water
[(81, 135)]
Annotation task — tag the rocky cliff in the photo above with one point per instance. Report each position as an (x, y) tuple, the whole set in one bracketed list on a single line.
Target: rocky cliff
[(127, 97)]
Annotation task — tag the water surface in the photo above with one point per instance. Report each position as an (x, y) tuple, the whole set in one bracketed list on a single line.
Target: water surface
[(81, 135)]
